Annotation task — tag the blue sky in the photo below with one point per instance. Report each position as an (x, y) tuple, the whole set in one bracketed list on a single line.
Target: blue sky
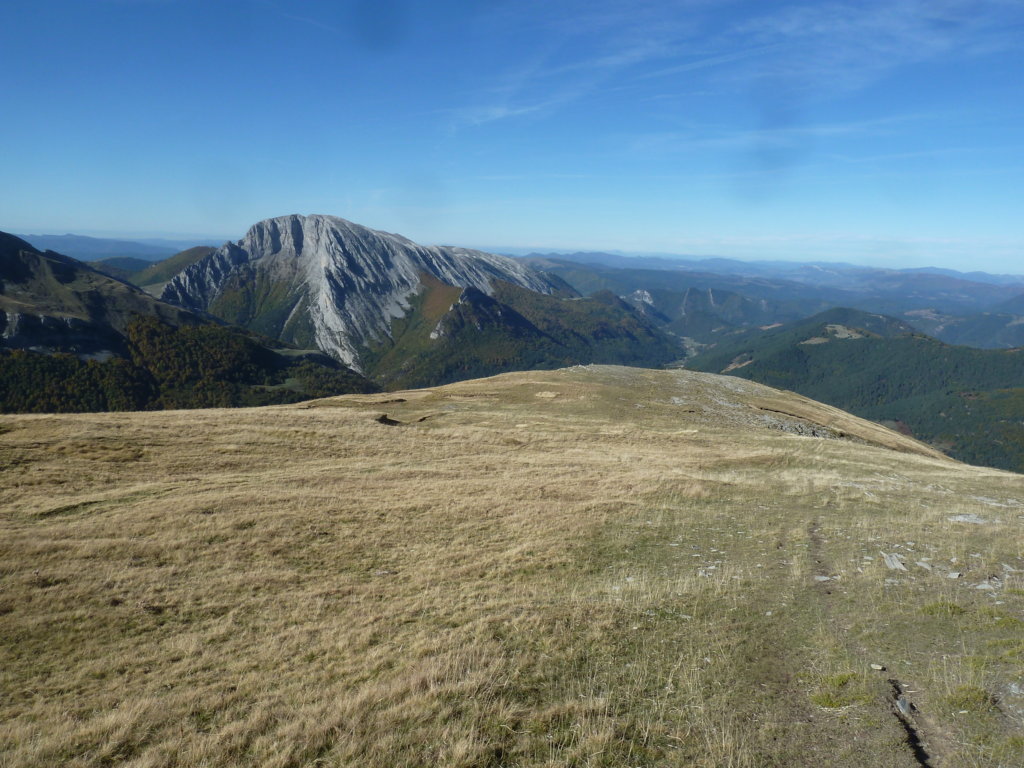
[(888, 133)]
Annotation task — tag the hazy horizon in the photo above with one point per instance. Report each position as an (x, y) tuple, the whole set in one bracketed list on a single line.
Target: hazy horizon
[(512, 250), (880, 133)]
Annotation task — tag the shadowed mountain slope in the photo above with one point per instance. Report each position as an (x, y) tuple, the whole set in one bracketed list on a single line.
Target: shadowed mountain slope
[(52, 301), (120, 267), (74, 339), (985, 330)]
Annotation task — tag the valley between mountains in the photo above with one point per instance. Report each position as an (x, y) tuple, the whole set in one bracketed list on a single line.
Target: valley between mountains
[(598, 566)]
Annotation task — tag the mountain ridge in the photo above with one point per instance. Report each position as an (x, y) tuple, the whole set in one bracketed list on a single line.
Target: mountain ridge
[(329, 281), (57, 302)]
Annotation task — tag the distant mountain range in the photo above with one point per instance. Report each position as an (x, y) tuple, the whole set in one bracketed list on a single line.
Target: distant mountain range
[(330, 282), (86, 248), (826, 336), (815, 272), (985, 313)]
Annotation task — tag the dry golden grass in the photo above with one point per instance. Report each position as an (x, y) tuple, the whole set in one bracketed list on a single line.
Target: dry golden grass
[(596, 566)]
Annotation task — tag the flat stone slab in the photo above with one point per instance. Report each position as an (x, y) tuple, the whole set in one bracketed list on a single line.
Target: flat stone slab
[(892, 562)]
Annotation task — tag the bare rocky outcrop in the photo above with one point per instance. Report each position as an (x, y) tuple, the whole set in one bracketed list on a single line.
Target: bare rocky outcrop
[(325, 281)]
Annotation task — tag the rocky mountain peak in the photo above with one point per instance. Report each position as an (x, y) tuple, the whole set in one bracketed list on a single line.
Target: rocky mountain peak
[(324, 281)]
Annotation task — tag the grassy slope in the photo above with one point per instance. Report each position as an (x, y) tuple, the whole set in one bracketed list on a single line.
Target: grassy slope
[(155, 275), (599, 567), (970, 401), (256, 301)]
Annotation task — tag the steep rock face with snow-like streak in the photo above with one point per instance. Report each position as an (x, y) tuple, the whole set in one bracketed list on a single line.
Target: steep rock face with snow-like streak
[(324, 281)]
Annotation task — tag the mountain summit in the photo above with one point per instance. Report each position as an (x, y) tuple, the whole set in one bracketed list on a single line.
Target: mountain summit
[(326, 282)]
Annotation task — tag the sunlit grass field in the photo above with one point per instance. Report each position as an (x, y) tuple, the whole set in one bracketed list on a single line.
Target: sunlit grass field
[(591, 567)]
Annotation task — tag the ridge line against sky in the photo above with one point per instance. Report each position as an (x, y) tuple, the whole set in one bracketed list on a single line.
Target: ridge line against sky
[(882, 133)]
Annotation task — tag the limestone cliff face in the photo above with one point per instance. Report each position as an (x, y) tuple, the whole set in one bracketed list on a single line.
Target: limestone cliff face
[(324, 281)]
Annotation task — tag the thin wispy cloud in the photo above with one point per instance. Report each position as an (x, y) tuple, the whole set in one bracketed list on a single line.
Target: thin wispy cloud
[(598, 44), (714, 137), (847, 45), (796, 52), (711, 61), (482, 115), (310, 21)]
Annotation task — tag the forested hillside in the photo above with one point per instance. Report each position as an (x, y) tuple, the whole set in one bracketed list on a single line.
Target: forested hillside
[(205, 366), (969, 402), (73, 339)]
